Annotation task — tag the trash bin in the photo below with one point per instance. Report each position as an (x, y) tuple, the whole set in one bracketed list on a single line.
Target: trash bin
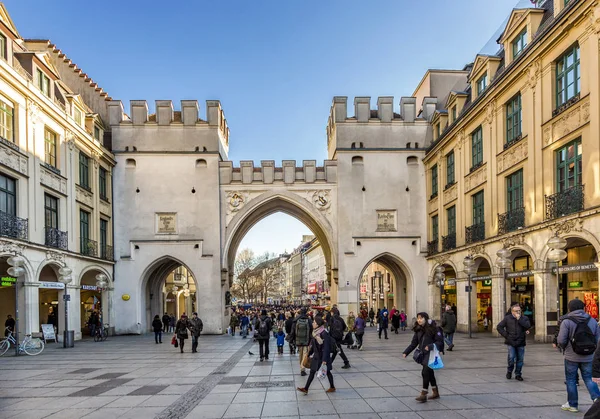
[(68, 339)]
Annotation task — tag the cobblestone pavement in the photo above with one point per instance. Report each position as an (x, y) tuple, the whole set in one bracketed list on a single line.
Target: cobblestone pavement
[(132, 377)]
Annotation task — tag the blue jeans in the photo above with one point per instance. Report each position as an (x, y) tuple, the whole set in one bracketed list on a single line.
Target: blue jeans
[(449, 338), (245, 331), (571, 369), (518, 355), (158, 336)]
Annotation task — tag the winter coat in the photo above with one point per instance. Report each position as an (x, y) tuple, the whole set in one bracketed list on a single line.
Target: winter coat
[(280, 338), (449, 322), (424, 339), (181, 328), (166, 319), (359, 325), (320, 353), (157, 325), (310, 329), (269, 327), (289, 323), (513, 330), (567, 329), (371, 314), (383, 321), (396, 320), (234, 321), (350, 322), (196, 326)]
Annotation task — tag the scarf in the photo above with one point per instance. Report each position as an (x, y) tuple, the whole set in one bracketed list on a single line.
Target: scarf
[(317, 334)]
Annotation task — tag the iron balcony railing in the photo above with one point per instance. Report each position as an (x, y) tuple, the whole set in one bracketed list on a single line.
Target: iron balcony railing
[(56, 238), (106, 253), (511, 220), (564, 203), (432, 247), (88, 247), (475, 233), (449, 242), (13, 226)]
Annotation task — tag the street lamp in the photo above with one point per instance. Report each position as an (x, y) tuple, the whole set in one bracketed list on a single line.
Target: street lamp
[(440, 278), (556, 254), (503, 262), (102, 284), (470, 269), (16, 270), (66, 278)]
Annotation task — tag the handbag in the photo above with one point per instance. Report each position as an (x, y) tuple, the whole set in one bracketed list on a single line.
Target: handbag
[(305, 361), (435, 359), (174, 341), (418, 356)]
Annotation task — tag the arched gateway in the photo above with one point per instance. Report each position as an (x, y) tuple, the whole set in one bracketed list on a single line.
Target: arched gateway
[(179, 204)]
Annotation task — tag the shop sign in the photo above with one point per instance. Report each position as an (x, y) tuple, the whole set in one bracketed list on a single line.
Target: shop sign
[(312, 288), (576, 284), (90, 288), (450, 291), (451, 282), (482, 278), (576, 268), (519, 274), (8, 281), (363, 288), (363, 296), (390, 295), (321, 286), (487, 282), (521, 288), (52, 285), (483, 295)]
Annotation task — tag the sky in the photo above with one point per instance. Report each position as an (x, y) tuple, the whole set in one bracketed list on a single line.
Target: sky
[(275, 65)]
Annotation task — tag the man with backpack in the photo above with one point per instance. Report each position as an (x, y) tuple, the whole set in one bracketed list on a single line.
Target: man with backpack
[(263, 326), (513, 329), (337, 327), (578, 337), (302, 331)]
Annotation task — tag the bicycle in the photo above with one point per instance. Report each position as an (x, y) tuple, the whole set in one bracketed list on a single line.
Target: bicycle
[(101, 333), (30, 346)]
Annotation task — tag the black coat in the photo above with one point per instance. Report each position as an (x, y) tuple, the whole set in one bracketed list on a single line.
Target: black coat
[(596, 363), (157, 325), (288, 325), (269, 327), (320, 353), (449, 322), (513, 330), (425, 338), (181, 328)]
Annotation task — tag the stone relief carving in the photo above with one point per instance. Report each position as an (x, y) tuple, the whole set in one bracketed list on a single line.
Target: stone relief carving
[(478, 249), (10, 247), (235, 201), (13, 159), (490, 113), (33, 110), (55, 256), (567, 122), (52, 180), (512, 156), (512, 241), (460, 139), (476, 178), (567, 226), (440, 260), (85, 197), (433, 204), (532, 73), (105, 208), (321, 200), (450, 194), (95, 158)]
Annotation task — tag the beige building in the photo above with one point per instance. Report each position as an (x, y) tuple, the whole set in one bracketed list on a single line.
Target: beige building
[(513, 163)]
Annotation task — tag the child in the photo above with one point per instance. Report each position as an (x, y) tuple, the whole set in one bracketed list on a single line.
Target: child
[(280, 341)]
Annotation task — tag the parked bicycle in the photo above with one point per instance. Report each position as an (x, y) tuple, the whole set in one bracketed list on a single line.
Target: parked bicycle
[(101, 333), (31, 346)]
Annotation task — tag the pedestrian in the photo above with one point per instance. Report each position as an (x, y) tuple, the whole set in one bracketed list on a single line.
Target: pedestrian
[(302, 329), (280, 340), (93, 323), (244, 323), (391, 316), (513, 329), (359, 326), (157, 326), (233, 322), (396, 321), (371, 316), (172, 323), (9, 325), (426, 335), (350, 324), (181, 330), (337, 327), (322, 346), (262, 327), (289, 324), (196, 327), (578, 337), (403, 320), (383, 323), (449, 326), (166, 319)]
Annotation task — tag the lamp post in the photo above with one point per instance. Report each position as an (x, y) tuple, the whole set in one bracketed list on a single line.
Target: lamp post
[(16, 270), (65, 278), (470, 269), (440, 278), (556, 254), (102, 284), (503, 262)]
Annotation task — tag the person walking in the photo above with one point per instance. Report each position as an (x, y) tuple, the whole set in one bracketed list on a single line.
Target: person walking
[(166, 319), (513, 329), (244, 323), (403, 319), (196, 327), (449, 326), (371, 316), (396, 321), (263, 327), (181, 330), (280, 341), (9, 325), (321, 348), (426, 335), (391, 316), (383, 323), (350, 325), (289, 324), (157, 326), (233, 322), (302, 330), (359, 327), (337, 327), (578, 337), (172, 323)]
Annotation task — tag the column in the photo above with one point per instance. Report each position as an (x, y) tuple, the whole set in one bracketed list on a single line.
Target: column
[(30, 310), (546, 286), (75, 310)]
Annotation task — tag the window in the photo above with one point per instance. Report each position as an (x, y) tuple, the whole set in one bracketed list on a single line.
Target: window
[(8, 195), (103, 236), (84, 228), (514, 191), (51, 211), (481, 84), (450, 168), (77, 116), (451, 217), (102, 183), (50, 147), (568, 166), (513, 119), (84, 170), (96, 133), (6, 121), (476, 148), (567, 76), (434, 227), (438, 131), (454, 113), (478, 208), (519, 43), (43, 83), (434, 181), (3, 47)]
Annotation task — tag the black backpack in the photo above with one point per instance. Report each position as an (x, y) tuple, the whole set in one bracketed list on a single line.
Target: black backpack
[(338, 326), (263, 327), (302, 332), (583, 340)]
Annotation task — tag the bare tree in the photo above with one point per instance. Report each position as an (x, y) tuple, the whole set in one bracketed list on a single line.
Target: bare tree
[(243, 286)]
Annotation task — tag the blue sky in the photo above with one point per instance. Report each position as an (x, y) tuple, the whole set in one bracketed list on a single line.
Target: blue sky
[(274, 64)]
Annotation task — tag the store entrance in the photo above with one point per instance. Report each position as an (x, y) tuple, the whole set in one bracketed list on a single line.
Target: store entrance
[(579, 276), (483, 286), (522, 288)]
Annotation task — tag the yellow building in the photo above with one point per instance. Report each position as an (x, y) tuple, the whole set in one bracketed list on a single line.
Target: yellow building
[(515, 161)]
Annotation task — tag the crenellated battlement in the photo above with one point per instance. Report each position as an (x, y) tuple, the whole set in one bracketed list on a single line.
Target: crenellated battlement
[(268, 173)]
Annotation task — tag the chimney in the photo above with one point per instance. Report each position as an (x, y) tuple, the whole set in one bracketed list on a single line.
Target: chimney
[(115, 112), (429, 107), (213, 112)]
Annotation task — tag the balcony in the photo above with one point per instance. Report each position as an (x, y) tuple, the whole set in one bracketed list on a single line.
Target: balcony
[(106, 253), (512, 142), (88, 247), (475, 233), (449, 242), (432, 247), (564, 203), (511, 220), (51, 168), (13, 226), (56, 238)]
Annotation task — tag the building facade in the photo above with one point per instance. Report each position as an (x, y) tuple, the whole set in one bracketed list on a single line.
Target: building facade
[(514, 163)]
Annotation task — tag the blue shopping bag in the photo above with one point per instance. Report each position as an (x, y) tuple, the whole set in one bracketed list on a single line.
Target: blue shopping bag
[(435, 359)]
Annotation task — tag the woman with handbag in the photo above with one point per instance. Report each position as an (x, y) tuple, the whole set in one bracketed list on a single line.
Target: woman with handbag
[(320, 350), (181, 330), (427, 334)]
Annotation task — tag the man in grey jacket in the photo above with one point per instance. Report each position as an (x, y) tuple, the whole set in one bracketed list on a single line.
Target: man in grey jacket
[(576, 361)]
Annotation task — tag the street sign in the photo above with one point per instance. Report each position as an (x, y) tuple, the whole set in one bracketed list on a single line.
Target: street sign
[(468, 288), (481, 278), (52, 285), (519, 274), (66, 297), (576, 268)]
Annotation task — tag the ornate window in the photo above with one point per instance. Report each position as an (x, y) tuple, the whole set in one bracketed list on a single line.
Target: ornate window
[(569, 166), (6, 121), (8, 195), (514, 191), (513, 119), (450, 168), (481, 84), (477, 148), (567, 76)]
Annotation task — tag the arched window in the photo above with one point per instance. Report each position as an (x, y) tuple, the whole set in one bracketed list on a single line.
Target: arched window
[(130, 163), (412, 160), (200, 163), (357, 160)]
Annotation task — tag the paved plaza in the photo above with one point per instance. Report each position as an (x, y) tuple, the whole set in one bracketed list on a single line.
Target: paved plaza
[(132, 377)]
